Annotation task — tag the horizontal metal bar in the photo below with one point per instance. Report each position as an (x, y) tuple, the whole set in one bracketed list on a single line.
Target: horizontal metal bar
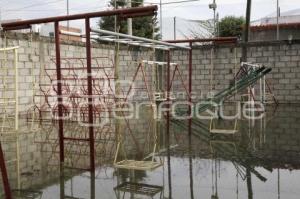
[(120, 12), (157, 62), (166, 44), (76, 139), (133, 43), (217, 39), (76, 34), (9, 48)]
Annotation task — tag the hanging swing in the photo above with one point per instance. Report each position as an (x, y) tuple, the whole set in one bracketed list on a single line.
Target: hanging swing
[(150, 163), (144, 164), (212, 127), (216, 130)]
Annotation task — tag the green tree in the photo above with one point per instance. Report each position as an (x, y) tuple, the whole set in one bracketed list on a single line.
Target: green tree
[(231, 26), (141, 26)]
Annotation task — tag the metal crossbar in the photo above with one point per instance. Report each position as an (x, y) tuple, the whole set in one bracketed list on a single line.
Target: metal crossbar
[(134, 40)]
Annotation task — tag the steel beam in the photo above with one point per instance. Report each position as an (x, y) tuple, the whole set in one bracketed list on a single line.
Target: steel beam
[(217, 39), (168, 122), (139, 39), (190, 87), (59, 94), (131, 12), (90, 92)]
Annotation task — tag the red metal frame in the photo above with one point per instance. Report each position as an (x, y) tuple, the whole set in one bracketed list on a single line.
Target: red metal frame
[(6, 185), (128, 12), (121, 13)]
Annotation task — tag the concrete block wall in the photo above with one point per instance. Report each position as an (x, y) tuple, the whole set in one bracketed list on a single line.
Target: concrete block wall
[(215, 67), (282, 57)]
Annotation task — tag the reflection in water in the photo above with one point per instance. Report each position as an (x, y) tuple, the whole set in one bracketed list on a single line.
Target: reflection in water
[(260, 161)]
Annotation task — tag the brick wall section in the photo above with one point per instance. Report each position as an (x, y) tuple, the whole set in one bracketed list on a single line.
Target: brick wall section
[(282, 57)]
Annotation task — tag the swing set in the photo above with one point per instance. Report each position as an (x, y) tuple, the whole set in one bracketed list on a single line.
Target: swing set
[(143, 86)]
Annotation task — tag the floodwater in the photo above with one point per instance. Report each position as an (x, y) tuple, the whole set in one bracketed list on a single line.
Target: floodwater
[(262, 160)]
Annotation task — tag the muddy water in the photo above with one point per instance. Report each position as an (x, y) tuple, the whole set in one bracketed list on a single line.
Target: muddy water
[(261, 161)]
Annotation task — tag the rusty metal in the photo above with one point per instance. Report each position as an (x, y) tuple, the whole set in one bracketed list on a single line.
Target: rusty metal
[(168, 125), (118, 12), (190, 89), (5, 181), (18, 27), (59, 92), (181, 79), (90, 92), (134, 15)]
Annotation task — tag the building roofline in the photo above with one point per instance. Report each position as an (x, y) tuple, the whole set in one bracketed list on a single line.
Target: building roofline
[(274, 26)]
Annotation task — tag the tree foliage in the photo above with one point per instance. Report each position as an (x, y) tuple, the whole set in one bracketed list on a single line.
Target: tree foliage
[(141, 26), (231, 26)]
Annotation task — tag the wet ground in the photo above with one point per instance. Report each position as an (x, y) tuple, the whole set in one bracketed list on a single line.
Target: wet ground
[(261, 161)]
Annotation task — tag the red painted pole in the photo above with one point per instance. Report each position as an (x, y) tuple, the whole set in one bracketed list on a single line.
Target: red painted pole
[(90, 92), (5, 181), (168, 124), (190, 87), (59, 95), (190, 119)]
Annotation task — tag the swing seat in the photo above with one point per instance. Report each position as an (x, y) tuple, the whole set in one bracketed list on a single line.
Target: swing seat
[(139, 188), (214, 130), (137, 165), (223, 131)]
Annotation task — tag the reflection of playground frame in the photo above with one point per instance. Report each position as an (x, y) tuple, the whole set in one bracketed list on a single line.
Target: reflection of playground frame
[(139, 188)]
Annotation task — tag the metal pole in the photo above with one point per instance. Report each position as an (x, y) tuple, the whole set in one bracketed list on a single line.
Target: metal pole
[(93, 185), (17, 114), (246, 32), (213, 6), (160, 16), (190, 120), (115, 18), (5, 181), (215, 34), (62, 182), (168, 124), (129, 20), (174, 28), (277, 35), (190, 86), (90, 92), (120, 35), (68, 23), (218, 25), (248, 18), (59, 92), (278, 185), (249, 184)]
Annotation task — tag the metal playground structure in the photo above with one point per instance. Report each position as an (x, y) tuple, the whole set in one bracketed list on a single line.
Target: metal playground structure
[(87, 90)]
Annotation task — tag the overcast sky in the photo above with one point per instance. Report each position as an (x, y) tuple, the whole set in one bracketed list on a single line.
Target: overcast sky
[(22, 9)]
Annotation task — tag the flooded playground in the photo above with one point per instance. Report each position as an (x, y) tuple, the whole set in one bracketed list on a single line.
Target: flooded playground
[(100, 114), (260, 161)]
